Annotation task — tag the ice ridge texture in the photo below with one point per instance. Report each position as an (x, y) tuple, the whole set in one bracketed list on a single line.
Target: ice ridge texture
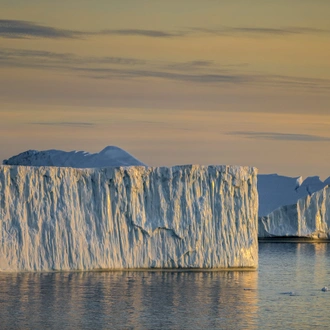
[(54, 218)]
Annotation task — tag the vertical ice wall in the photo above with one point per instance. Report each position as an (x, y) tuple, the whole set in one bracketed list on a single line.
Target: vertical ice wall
[(127, 217)]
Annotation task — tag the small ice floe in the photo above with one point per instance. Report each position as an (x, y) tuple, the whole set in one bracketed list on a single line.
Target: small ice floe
[(325, 289), (290, 293)]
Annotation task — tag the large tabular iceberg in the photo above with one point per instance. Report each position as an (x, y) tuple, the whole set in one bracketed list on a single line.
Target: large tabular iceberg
[(55, 218), (291, 207)]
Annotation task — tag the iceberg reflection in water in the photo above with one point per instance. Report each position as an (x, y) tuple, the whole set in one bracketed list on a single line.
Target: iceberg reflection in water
[(285, 293), (128, 300)]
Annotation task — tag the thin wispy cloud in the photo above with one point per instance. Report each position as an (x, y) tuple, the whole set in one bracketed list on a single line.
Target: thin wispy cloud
[(107, 73), (191, 65), (64, 123), (280, 136), (37, 54), (197, 71), (25, 29), (306, 83), (144, 33), (204, 65), (90, 66), (227, 76), (31, 58), (258, 31)]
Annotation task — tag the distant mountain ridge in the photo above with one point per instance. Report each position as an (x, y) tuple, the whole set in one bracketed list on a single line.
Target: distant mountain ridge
[(109, 156)]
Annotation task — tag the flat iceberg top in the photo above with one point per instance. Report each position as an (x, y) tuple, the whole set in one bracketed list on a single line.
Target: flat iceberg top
[(276, 190), (109, 156), (238, 173)]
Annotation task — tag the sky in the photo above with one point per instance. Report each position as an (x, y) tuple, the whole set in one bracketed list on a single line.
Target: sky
[(232, 82)]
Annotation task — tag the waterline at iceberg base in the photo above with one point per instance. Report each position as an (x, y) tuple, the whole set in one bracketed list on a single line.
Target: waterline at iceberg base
[(56, 219)]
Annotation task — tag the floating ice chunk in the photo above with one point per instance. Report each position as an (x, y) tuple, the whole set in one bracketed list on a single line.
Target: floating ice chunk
[(290, 293)]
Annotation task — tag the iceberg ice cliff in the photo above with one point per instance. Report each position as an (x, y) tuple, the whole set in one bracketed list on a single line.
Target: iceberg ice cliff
[(291, 207), (54, 218)]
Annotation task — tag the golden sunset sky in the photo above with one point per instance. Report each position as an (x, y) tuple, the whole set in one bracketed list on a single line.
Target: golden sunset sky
[(171, 82)]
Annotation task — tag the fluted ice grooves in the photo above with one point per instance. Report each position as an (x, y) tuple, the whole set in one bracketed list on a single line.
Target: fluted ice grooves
[(188, 216), (309, 217)]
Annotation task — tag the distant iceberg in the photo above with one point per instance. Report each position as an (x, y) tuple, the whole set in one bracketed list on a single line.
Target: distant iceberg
[(56, 218), (109, 156), (291, 207)]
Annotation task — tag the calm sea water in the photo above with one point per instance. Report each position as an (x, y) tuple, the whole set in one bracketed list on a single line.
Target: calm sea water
[(285, 293)]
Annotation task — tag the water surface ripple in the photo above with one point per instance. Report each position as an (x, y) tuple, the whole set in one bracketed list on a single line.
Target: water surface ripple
[(284, 293)]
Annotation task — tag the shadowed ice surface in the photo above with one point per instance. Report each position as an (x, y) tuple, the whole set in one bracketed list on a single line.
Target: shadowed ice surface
[(284, 293)]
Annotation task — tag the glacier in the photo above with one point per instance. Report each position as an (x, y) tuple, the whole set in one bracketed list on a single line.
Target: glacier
[(191, 216), (293, 207)]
